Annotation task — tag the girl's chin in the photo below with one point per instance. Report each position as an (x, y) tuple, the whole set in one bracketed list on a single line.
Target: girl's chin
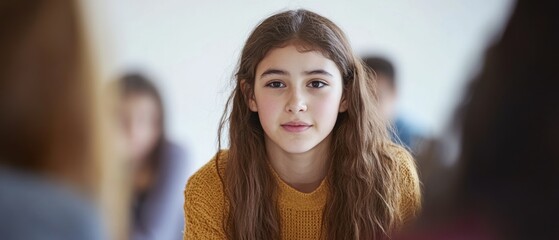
[(297, 148)]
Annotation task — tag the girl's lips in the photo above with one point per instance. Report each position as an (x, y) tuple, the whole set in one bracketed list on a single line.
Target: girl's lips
[(296, 126)]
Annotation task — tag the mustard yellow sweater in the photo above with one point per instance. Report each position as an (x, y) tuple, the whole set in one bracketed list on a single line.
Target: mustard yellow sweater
[(301, 213)]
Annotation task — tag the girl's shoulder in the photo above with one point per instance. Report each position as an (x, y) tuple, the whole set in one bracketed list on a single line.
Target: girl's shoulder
[(205, 203), (404, 160), (208, 176), (410, 202), (399, 152)]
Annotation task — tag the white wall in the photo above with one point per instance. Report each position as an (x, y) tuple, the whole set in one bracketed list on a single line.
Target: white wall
[(190, 48)]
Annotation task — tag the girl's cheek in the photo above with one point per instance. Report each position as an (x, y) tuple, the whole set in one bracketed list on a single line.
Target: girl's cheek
[(268, 104), (271, 101), (268, 111), (328, 103)]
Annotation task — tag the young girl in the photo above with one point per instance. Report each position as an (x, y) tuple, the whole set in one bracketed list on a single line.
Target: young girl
[(309, 157), (156, 164)]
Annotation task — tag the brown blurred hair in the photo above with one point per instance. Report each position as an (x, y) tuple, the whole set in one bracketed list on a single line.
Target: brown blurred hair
[(51, 115), (45, 98), (364, 180)]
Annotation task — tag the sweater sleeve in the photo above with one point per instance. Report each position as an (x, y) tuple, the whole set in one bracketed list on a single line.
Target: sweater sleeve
[(410, 200), (204, 205)]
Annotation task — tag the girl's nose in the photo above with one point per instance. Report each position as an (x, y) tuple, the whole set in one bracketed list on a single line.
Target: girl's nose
[(296, 104)]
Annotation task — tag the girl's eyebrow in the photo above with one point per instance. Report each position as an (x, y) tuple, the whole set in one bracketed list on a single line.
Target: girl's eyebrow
[(273, 71), (319, 72)]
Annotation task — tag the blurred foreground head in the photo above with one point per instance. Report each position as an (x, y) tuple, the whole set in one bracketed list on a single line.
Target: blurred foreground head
[(507, 178), (45, 91), (49, 123), (510, 150)]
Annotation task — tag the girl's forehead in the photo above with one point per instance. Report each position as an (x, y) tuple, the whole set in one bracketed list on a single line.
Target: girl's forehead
[(304, 46), (294, 57)]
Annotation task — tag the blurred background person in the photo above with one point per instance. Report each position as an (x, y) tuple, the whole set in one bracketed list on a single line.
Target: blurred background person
[(505, 184), (158, 167), (405, 131), (53, 172)]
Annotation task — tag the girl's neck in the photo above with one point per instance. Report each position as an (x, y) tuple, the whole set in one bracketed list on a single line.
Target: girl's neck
[(302, 171)]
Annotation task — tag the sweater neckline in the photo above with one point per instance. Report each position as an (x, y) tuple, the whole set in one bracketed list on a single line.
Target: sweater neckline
[(290, 197)]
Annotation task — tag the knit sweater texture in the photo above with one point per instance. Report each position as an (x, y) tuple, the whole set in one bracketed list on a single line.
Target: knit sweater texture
[(300, 213)]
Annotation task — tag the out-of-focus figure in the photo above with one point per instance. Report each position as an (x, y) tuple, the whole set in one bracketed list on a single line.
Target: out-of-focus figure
[(405, 131), (505, 184), (50, 165), (158, 167)]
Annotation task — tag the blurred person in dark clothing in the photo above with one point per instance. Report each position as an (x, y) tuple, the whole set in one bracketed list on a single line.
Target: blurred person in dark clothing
[(50, 166), (157, 166), (405, 132), (505, 184)]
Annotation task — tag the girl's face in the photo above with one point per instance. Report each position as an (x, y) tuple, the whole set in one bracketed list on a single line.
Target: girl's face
[(141, 125), (298, 96)]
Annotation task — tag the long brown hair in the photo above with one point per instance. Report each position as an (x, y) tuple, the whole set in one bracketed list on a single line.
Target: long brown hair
[(364, 180)]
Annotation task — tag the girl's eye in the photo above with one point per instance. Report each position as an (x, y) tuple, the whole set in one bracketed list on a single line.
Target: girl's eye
[(317, 84), (275, 85)]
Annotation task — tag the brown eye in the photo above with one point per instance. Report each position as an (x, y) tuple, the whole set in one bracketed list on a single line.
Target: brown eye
[(316, 84), (275, 85)]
